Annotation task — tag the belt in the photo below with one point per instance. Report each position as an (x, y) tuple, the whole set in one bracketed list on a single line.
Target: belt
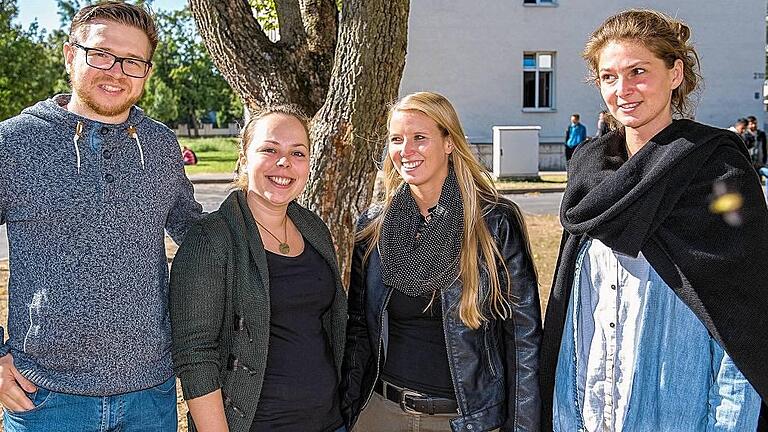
[(414, 402)]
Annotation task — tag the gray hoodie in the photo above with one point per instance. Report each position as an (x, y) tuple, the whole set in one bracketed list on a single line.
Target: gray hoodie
[(86, 205)]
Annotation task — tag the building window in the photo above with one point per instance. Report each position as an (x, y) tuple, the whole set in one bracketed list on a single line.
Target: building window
[(538, 80), (539, 2)]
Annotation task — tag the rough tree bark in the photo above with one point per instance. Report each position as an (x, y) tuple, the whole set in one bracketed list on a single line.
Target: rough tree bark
[(345, 82)]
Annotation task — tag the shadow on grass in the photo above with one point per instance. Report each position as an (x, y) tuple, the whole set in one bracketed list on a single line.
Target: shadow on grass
[(207, 157)]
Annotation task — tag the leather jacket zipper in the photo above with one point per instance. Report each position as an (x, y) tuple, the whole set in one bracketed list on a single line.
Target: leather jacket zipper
[(488, 350), (448, 351), (378, 349)]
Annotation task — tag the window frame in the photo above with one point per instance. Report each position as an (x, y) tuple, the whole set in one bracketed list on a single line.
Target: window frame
[(537, 69), (540, 3)]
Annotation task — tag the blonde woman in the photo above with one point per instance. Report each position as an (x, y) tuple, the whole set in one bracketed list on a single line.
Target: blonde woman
[(444, 325), (656, 320), (257, 306)]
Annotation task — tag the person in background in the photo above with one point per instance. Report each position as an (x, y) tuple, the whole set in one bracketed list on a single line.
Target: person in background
[(88, 185), (258, 309), (602, 124), (444, 324), (739, 127), (759, 149), (575, 134), (656, 319), (189, 156)]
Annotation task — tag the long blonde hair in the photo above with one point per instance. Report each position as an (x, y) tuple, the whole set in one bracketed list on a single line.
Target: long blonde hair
[(477, 190)]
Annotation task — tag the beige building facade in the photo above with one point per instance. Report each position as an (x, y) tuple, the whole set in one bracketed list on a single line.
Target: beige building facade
[(518, 62)]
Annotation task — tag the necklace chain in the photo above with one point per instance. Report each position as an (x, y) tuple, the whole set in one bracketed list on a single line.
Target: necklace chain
[(285, 248)]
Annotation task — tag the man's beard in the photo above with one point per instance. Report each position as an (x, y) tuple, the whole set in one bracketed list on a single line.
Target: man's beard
[(105, 111)]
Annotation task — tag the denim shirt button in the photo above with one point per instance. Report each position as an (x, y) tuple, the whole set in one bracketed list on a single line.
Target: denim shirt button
[(470, 427), (104, 131), (109, 178), (106, 154)]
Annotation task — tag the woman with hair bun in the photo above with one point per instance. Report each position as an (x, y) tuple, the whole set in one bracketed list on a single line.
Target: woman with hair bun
[(444, 316), (657, 317)]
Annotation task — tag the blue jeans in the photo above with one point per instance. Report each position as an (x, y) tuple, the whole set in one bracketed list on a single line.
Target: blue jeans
[(151, 410)]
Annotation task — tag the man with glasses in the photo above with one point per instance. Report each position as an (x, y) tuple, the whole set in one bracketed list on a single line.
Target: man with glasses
[(88, 185)]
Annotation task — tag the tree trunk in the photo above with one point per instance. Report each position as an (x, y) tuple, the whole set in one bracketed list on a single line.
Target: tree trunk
[(193, 122), (345, 83), (349, 131)]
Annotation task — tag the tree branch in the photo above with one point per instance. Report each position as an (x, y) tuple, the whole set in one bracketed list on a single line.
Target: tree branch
[(290, 23), (321, 18), (230, 30)]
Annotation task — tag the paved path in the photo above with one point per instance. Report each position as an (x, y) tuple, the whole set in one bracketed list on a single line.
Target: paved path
[(538, 203), (211, 195), (3, 243)]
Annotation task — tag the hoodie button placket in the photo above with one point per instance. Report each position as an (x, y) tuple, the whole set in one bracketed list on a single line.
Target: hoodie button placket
[(107, 162)]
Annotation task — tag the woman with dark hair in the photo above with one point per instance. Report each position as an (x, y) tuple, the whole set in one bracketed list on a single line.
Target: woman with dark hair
[(257, 306), (444, 325), (657, 317)]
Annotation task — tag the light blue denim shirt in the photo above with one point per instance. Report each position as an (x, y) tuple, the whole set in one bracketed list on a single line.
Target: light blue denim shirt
[(634, 357)]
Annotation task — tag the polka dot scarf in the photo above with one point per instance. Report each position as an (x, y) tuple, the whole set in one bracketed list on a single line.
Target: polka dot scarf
[(418, 266)]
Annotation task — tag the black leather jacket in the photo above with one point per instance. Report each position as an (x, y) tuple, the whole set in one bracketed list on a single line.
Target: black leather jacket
[(494, 368)]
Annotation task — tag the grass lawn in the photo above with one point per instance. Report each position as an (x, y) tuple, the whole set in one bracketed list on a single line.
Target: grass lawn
[(544, 233), (214, 155), (545, 181)]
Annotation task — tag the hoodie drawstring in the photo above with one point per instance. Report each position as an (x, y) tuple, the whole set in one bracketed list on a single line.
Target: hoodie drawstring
[(75, 139), (135, 135), (79, 133)]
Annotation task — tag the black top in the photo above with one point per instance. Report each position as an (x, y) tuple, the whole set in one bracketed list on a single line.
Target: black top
[(416, 355), (300, 391)]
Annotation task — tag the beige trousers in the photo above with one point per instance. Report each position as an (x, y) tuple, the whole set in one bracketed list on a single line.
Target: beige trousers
[(383, 415)]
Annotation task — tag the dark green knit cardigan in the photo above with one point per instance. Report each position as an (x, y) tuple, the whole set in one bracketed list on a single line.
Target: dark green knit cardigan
[(220, 272)]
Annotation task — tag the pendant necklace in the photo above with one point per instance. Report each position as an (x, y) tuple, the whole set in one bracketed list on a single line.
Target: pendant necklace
[(284, 247)]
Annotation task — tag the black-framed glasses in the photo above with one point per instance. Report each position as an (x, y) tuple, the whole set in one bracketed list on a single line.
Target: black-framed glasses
[(100, 59)]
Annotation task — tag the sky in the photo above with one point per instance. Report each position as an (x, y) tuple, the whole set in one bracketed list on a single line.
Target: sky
[(46, 12)]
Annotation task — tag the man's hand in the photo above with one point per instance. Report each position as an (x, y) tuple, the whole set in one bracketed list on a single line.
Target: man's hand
[(13, 385)]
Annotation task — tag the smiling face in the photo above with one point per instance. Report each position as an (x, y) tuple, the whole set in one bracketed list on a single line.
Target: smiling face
[(106, 95), (277, 160), (637, 86), (418, 149)]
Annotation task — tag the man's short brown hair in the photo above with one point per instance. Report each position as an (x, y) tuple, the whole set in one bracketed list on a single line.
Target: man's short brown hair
[(117, 11)]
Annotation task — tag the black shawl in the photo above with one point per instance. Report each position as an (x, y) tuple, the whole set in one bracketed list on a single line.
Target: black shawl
[(658, 203)]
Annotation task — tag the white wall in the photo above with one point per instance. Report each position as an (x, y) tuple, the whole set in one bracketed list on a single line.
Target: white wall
[(472, 52)]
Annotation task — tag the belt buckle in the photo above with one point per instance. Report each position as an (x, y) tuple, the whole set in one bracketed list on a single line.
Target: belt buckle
[(405, 393)]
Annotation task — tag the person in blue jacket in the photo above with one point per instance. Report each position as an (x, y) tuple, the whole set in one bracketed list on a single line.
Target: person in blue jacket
[(575, 134)]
